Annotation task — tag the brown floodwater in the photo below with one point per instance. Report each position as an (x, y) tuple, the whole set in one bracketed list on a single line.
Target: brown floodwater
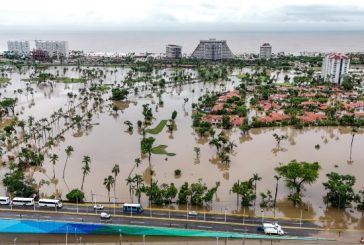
[(107, 143)]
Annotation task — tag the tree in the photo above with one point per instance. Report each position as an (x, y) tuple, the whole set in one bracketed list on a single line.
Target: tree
[(197, 150), (85, 168), (54, 159), (17, 185), (353, 133), (68, 151), (115, 170), (174, 115), (215, 142), (296, 175), (137, 162), (184, 193), (119, 94), (76, 196), (279, 138), (130, 183), (225, 122), (8, 103), (277, 177), (340, 189), (245, 189), (108, 183), (255, 179), (146, 146)]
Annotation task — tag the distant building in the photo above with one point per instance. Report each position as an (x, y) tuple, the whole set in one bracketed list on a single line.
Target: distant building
[(19, 47), (212, 49), (173, 51), (334, 67), (265, 51), (53, 48), (39, 54)]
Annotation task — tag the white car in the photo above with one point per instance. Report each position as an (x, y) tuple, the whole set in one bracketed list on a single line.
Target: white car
[(192, 213), (98, 207), (105, 215)]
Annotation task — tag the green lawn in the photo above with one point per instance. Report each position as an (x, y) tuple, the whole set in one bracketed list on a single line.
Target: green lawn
[(4, 80), (161, 150), (71, 80), (158, 128)]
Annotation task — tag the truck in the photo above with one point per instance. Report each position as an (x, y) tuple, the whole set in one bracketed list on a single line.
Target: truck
[(272, 229)]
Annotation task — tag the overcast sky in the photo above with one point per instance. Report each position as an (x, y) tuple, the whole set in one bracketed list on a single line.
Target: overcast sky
[(175, 15)]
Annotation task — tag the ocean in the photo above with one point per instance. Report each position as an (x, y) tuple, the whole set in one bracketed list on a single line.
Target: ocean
[(239, 42)]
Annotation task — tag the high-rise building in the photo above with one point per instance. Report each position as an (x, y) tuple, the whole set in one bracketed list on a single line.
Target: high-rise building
[(173, 51), (334, 67), (212, 49), (265, 51), (53, 48), (19, 47)]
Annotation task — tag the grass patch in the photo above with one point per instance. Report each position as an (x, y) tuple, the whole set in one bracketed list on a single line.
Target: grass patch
[(158, 128), (4, 80), (161, 150), (71, 80), (7, 122)]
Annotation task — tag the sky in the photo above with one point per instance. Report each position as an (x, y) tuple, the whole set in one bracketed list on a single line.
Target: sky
[(182, 15)]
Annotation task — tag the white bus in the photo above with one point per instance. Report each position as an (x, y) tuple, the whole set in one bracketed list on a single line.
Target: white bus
[(4, 200), (51, 203), (132, 208), (22, 201)]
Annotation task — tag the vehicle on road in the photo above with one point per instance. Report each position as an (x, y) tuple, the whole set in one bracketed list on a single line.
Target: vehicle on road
[(4, 200), (98, 207), (22, 201), (132, 208), (50, 203), (105, 215), (272, 229), (192, 213)]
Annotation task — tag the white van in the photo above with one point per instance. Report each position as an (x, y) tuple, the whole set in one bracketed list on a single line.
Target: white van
[(50, 203), (4, 200), (23, 201)]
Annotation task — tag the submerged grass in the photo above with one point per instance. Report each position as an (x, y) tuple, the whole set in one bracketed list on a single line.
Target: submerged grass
[(4, 80), (158, 128), (71, 80)]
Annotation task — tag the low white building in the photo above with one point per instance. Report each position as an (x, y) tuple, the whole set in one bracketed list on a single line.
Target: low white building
[(265, 51), (334, 67), (19, 47), (54, 48)]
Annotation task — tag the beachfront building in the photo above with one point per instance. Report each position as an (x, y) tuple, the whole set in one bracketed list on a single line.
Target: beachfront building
[(53, 48), (173, 51), (265, 51), (19, 47), (212, 49), (334, 67)]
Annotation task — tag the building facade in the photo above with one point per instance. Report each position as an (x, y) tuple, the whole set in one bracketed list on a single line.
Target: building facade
[(334, 67), (19, 47), (173, 51), (212, 49), (53, 48), (265, 51)]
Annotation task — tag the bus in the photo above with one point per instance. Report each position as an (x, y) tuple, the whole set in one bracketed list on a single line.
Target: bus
[(132, 208), (22, 201), (50, 203), (4, 200)]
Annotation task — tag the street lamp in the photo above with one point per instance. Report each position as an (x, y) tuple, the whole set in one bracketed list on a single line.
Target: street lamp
[(143, 239), (262, 211), (120, 236)]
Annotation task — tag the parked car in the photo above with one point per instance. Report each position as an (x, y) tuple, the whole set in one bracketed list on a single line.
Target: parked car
[(98, 207), (192, 213)]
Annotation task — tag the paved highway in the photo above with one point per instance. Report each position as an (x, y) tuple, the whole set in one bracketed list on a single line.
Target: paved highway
[(159, 218)]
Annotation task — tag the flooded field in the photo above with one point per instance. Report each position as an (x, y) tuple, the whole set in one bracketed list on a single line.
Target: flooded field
[(107, 142)]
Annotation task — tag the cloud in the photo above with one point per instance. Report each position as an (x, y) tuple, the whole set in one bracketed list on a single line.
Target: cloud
[(322, 13)]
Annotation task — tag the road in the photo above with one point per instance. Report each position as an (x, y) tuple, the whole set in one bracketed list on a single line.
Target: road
[(158, 218)]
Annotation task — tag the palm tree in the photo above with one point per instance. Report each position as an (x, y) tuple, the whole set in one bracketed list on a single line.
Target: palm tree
[(130, 182), (146, 146), (54, 159), (108, 183), (138, 180), (115, 170), (85, 168), (353, 132), (68, 151), (216, 143), (137, 162), (255, 179), (277, 177)]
